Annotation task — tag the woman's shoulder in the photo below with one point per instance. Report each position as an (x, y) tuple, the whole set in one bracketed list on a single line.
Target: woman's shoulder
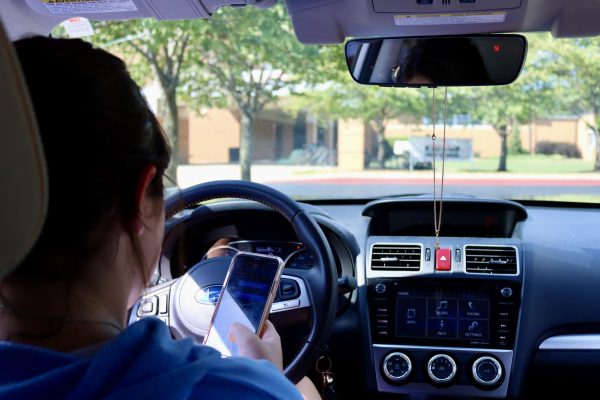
[(150, 357)]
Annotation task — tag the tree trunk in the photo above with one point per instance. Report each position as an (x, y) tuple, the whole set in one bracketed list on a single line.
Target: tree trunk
[(516, 147), (380, 131), (246, 144), (597, 163), (502, 131), (170, 123)]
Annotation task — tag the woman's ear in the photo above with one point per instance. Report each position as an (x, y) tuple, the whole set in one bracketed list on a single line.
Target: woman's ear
[(144, 201)]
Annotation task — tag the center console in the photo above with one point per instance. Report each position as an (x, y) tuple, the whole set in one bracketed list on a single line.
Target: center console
[(452, 336), (443, 322)]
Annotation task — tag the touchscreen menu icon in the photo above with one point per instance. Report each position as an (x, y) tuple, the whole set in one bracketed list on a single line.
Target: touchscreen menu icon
[(442, 308), (442, 328), (411, 317), (473, 329), (475, 308), (473, 326)]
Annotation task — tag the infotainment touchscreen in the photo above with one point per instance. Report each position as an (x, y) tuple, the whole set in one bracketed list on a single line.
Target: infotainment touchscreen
[(451, 315), (471, 313)]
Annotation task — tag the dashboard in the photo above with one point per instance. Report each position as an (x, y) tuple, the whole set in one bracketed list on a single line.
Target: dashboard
[(506, 304), (294, 254)]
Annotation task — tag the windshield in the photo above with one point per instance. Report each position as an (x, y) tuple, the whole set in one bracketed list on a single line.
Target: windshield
[(240, 98)]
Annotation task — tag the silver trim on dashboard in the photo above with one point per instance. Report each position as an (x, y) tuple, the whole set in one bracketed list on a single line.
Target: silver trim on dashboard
[(437, 348), (231, 245), (464, 259), (428, 266), (458, 388), (572, 342), (299, 302), (395, 273)]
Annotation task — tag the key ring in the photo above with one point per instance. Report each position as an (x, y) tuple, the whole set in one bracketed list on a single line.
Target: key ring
[(322, 370)]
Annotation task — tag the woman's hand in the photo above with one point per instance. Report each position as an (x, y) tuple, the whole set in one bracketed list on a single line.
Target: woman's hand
[(268, 347), (265, 347)]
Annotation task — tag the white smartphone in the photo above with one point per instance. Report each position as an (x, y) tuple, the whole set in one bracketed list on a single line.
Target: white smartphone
[(247, 295)]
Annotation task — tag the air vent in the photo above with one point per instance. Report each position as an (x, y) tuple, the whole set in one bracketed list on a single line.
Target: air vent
[(396, 257), (491, 260)]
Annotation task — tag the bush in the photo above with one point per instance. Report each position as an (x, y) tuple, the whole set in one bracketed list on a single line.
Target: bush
[(568, 150)]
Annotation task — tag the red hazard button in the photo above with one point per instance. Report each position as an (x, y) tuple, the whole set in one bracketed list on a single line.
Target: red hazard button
[(443, 260)]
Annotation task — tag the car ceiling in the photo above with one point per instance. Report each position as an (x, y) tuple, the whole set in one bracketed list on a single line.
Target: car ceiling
[(332, 21)]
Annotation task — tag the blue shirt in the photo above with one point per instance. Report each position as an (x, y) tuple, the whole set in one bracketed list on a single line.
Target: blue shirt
[(143, 362)]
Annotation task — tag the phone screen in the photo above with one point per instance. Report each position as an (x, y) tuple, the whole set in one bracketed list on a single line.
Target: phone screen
[(244, 298)]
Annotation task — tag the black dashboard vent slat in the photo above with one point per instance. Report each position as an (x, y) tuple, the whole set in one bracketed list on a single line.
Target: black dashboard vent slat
[(491, 260), (396, 257)]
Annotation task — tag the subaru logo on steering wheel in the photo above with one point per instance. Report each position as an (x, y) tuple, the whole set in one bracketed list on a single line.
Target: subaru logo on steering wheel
[(208, 294)]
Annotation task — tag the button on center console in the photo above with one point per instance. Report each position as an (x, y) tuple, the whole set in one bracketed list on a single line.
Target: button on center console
[(443, 259), (441, 368), (397, 367), (487, 371)]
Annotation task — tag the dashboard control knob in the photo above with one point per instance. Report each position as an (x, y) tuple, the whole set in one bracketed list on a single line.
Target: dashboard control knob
[(397, 367), (380, 288), (506, 292), (487, 371), (441, 368)]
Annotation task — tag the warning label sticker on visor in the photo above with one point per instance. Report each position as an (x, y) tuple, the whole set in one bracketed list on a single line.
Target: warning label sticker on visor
[(76, 7), (449, 19)]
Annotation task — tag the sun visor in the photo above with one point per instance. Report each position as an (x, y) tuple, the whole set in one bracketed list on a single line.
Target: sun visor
[(442, 6), (332, 22)]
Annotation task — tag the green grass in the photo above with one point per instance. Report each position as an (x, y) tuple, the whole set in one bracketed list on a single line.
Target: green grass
[(524, 164)]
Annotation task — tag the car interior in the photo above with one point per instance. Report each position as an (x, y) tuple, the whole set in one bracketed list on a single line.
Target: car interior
[(504, 304)]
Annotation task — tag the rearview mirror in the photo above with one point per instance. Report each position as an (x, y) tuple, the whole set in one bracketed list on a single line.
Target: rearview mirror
[(437, 61)]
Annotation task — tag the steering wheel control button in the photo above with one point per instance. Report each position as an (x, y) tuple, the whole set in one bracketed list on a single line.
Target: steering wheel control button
[(284, 305), (163, 303), (288, 289), (506, 292), (441, 369), (147, 307), (380, 288), (443, 259), (487, 371), (397, 367)]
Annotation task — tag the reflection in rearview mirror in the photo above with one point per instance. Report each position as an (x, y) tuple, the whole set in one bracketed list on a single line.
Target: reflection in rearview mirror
[(437, 61)]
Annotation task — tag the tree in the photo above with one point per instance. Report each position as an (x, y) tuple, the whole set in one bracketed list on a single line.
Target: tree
[(341, 97), (576, 66), (159, 49), (247, 59), (378, 105), (506, 107), (503, 107)]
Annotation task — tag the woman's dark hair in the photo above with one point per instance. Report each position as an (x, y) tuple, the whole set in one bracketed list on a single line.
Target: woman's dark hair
[(446, 62), (98, 134)]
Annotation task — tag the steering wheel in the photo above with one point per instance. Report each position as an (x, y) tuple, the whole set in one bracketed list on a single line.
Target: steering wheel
[(186, 304)]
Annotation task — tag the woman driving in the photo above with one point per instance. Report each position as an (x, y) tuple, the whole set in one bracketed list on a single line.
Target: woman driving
[(63, 311)]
